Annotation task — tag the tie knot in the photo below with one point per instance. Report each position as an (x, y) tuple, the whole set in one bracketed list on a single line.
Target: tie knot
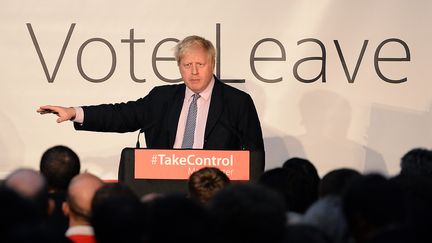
[(196, 96)]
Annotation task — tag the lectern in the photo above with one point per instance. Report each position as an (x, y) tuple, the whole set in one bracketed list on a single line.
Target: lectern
[(167, 170)]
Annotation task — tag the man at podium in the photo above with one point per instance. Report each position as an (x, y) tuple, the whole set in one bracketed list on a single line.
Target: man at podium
[(201, 113)]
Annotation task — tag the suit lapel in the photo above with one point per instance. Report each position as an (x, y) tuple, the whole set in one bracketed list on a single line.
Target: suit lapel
[(215, 109), (174, 114)]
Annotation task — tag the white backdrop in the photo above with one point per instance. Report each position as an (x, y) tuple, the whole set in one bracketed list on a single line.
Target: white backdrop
[(354, 119)]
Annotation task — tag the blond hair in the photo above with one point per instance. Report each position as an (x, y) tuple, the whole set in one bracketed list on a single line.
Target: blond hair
[(194, 41)]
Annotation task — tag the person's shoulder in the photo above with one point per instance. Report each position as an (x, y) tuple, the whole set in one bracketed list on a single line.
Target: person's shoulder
[(231, 91), (168, 89)]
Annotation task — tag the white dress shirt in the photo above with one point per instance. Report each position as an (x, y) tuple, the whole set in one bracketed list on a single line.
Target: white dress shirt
[(203, 105)]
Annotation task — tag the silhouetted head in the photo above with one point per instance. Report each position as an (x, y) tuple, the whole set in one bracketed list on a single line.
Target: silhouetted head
[(336, 181), (205, 182), (59, 165), (417, 162), (298, 189), (249, 213)]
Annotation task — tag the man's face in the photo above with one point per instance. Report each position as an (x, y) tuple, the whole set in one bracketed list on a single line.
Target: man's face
[(196, 69)]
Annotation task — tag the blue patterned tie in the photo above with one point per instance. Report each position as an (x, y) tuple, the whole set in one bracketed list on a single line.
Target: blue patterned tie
[(188, 138)]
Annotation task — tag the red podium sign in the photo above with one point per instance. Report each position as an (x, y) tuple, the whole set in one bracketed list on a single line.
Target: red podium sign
[(180, 164)]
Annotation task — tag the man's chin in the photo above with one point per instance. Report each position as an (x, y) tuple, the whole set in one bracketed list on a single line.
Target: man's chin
[(195, 87)]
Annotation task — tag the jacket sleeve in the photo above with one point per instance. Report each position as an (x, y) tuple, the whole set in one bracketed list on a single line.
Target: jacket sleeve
[(120, 117)]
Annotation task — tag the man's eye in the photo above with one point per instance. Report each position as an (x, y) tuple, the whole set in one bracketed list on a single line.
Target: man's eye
[(187, 65)]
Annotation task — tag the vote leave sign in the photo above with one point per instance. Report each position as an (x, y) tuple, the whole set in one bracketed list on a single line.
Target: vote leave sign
[(180, 163)]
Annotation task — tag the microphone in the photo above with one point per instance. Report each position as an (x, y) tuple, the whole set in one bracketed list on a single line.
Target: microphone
[(138, 142), (142, 130)]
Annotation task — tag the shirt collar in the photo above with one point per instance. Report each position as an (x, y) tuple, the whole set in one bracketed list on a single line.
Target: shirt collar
[(205, 94), (80, 230)]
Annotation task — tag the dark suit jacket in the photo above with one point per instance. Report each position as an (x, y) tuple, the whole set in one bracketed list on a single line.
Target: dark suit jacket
[(232, 121)]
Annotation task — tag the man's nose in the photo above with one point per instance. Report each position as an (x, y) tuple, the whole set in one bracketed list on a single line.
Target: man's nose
[(194, 69)]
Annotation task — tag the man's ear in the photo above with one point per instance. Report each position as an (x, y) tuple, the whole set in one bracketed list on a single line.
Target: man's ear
[(66, 209)]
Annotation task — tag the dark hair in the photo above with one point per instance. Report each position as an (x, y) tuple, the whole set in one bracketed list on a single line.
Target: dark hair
[(298, 190), (418, 197), (116, 214), (303, 165), (187, 221), (59, 165), (249, 213), (336, 181), (373, 203), (112, 190), (205, 182), (307, 168), (417, 162)]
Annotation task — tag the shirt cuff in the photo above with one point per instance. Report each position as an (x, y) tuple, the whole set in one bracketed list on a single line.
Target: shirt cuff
[(79, 115)]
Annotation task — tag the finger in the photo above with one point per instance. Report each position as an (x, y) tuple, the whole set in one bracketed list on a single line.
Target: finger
[(42, 112), (47, 109)]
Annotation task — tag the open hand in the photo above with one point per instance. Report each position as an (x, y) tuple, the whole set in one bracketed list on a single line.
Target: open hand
[(63, 113)]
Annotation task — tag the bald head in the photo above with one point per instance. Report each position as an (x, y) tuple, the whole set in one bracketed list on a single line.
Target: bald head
[(80, 194), (26, 182), (30, 185)]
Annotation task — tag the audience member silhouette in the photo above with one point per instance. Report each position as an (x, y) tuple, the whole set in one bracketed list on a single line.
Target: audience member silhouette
[(298, 190), (78, 207), (311, 174), (32, 186), (336, 181), (327, 215), (117, 214), (205, 182), (249, 213), (26, 209), (15, 212), (372, 206), (417, 162), (59, 164), (175, 218), (418, 197), (303, 165)]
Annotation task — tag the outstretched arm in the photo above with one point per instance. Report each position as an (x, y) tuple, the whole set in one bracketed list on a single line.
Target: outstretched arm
[(63, 113)]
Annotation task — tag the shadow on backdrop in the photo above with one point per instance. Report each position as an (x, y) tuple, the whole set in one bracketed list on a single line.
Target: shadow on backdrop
[(11, 147), (278, 146), (326, 117), (394, 131)]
